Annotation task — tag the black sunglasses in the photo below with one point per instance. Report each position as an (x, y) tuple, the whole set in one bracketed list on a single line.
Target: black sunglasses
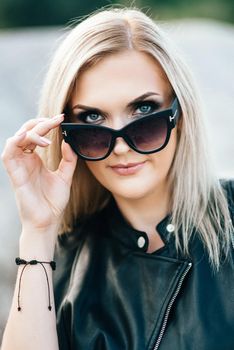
[(148, 134)]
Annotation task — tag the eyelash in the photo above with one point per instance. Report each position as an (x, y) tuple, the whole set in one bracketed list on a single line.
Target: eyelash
[(153, 104)]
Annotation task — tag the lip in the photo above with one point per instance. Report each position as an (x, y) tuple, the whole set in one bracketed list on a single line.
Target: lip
[(127, 169)]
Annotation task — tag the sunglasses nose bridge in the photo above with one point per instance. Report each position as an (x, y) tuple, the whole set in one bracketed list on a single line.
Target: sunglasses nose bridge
[(119, 134)]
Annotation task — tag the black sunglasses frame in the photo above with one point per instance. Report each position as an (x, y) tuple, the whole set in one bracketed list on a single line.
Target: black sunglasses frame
[(171, 116)]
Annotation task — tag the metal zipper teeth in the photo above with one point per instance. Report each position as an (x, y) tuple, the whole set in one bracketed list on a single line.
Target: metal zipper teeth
[(156, 346)]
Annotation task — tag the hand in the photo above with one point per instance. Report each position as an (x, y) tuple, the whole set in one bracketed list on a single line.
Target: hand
[(41, 194)]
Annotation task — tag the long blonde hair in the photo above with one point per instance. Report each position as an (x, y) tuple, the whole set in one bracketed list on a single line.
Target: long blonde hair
[(197, 198)]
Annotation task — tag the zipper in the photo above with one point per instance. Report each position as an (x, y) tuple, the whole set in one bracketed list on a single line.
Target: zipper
[(156, 346)]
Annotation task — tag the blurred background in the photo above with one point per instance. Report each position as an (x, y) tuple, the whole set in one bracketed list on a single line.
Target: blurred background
[(30, 32)]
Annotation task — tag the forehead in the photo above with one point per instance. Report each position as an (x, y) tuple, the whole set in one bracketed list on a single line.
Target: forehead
[(123, 75)]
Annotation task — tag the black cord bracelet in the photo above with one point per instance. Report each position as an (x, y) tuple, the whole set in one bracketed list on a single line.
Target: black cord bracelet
[(20, 261)]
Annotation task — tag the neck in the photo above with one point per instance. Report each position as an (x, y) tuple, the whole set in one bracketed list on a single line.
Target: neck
[(145, 213)]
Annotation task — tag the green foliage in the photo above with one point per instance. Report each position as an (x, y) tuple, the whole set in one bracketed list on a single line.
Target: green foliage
[(23, 13)]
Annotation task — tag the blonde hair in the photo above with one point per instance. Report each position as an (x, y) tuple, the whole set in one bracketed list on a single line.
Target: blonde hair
[(197, 198)]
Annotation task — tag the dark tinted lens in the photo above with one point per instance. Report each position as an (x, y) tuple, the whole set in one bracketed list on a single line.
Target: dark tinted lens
[(148, 134), (91, 142)]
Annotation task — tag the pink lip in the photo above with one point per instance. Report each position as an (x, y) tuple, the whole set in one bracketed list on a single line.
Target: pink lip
[(127, 169)]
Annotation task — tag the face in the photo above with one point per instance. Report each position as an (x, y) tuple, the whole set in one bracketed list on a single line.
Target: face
[(110, 86)]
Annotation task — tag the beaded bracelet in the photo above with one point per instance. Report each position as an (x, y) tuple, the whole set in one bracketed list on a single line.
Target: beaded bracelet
[(20, 261)]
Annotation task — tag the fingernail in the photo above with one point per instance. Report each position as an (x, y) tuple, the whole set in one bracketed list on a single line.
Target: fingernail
[(20, 132), (58, 117), (45, 140)]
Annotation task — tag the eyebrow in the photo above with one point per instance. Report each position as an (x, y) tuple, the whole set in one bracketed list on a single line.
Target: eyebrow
[(139, 98)]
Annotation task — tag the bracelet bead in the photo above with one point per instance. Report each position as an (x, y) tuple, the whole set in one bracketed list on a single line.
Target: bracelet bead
[(20, 261)]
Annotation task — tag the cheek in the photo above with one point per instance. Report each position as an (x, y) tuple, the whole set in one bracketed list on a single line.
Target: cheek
[(98, 169), (163, 159)]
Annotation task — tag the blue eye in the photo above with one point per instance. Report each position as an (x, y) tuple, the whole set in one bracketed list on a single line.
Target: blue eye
[(92, 118), (146, 107), (89, 117)]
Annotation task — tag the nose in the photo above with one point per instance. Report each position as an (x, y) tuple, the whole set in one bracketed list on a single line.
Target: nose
[(120, 146)]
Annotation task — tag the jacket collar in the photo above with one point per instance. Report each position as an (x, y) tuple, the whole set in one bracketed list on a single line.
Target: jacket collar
[(132, 238)]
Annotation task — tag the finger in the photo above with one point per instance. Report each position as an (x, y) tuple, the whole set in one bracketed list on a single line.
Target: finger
[(14, 147), (67, 164), (35, 135), (11, 149), (15, 144), (29, 124), (50, 123)]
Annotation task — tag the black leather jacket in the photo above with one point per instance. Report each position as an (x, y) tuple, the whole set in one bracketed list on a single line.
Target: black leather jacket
[(112, 295)]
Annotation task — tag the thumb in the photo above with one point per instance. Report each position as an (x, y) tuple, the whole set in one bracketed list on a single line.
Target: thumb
[(67, 164)]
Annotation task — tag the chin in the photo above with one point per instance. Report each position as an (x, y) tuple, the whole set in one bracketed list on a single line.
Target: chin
[(132, 191)]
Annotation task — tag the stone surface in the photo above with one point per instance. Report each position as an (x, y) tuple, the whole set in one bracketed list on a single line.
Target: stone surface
[(208, 48)]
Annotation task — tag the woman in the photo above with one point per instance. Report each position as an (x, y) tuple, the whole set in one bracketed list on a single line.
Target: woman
[(145, 254)]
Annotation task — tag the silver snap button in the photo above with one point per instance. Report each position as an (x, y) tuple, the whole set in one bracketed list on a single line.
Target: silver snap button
[(141, 242), (170, 228)]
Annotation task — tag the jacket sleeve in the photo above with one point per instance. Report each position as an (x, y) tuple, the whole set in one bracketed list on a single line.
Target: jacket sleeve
[(67, 247)]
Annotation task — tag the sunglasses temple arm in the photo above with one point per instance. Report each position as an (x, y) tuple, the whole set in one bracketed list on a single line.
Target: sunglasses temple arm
[(175, 110)]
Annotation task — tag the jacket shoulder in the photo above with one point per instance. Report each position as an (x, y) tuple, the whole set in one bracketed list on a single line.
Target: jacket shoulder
[(82, 228), (69, 244), (228, 187)]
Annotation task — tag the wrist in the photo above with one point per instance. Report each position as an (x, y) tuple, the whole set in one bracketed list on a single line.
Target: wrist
[(31, 229), (37, 244)]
